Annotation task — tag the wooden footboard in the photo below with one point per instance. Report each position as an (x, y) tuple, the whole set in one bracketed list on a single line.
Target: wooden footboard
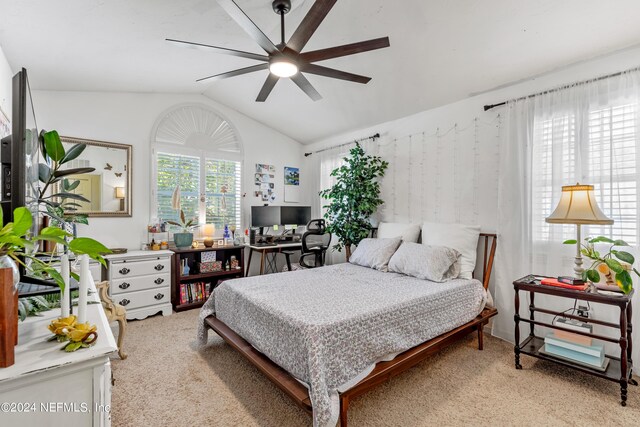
[(382, 372)]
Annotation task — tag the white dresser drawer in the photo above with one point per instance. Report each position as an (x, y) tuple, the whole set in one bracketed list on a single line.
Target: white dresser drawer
[(121, 269), (132, 284), (145, 298)]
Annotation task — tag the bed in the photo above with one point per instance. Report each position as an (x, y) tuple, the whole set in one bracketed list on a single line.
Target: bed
[(326, 335)]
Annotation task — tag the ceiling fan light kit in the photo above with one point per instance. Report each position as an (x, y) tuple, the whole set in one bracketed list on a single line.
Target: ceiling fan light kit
[(286, 59)]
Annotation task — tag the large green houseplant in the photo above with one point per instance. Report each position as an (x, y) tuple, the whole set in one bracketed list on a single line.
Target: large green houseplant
[(354, 197)]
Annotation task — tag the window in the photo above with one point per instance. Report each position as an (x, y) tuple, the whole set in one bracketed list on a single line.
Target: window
[(605, 156), (198, 150), (217, 180)]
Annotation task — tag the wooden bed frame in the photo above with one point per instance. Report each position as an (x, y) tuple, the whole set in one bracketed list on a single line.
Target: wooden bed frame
[(383, 370)]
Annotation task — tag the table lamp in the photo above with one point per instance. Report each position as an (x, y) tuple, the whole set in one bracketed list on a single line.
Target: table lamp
[(120, 195), (578, 206), (208, 230)]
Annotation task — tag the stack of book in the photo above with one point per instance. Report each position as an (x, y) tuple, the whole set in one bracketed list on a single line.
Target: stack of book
[(574, 348), (193, 292)]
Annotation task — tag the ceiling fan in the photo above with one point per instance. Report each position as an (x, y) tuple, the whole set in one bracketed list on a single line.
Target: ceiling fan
[(286, 59)]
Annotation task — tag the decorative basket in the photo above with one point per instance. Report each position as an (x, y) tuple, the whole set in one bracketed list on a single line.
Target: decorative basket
[(210, 267)]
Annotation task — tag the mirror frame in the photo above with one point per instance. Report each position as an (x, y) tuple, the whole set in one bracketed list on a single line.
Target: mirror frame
[(128, 200)]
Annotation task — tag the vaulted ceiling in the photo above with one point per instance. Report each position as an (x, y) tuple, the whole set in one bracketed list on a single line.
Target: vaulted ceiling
[(441, 51)]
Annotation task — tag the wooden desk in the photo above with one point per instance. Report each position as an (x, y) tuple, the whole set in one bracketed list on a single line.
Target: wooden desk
[(264, 250), (620, 369)]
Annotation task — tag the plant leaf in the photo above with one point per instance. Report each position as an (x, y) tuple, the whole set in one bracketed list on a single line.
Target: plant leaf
[(22, 221), (614, 265), (624, 282), (71, 196), (73, 171), (600, 239), (570, 242), (620, 243), (73, 152), (593, 276), (44, 172), (53, 145), (624, 256)]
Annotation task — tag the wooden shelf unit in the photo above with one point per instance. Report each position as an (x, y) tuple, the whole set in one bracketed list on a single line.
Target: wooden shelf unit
[(193, 256)]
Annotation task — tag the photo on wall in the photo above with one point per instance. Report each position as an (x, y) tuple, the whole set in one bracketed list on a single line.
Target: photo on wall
[(265, 182), (291, 184)]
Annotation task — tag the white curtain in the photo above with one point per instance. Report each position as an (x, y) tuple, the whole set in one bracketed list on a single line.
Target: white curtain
[(587, 133)]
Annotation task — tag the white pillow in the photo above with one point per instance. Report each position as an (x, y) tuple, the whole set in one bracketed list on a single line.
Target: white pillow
[(408, 232), (434, 263), (462, 238), (375, 253)]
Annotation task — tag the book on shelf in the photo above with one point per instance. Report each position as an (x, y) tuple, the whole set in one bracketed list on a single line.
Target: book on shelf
[(574, 338), (567, 356), (193, 292), (592, 356), (549, 281)]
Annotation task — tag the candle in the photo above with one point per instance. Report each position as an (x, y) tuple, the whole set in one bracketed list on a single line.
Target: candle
[(85, 277), (65, 310)]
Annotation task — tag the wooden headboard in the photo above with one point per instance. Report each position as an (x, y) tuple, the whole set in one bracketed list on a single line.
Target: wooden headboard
[(489, 253)]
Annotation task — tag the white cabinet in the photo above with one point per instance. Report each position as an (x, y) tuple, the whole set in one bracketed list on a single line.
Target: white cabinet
[(50, 387), (140, 281)]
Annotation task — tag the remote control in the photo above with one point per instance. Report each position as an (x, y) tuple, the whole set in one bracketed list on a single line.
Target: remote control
[(528, 279)]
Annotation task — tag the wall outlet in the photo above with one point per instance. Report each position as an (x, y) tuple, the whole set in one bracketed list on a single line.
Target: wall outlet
[(583, 311)]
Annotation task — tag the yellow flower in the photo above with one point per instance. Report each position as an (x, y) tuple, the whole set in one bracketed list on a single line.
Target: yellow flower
[(81, 331), (63, 325)]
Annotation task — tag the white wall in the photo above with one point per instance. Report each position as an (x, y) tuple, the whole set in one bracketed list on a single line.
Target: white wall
[(462, 113), (6, 75), (128, 118)]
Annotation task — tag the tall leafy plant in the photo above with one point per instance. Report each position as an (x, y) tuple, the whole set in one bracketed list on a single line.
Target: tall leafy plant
[(354, 197), (53, 172)]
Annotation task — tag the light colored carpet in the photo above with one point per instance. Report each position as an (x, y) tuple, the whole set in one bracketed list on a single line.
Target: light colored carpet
[(167, 381)]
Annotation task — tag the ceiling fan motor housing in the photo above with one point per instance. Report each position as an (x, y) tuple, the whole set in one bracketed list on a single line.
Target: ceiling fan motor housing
[(281, 6)]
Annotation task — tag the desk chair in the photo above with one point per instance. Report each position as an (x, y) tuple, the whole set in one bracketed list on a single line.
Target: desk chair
[(315, 242)]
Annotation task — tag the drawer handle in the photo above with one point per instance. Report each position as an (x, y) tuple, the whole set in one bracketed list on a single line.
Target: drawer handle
[(124, 270), (159, 267), (124, 285), (124, 302), (159, 296), (159, 281)]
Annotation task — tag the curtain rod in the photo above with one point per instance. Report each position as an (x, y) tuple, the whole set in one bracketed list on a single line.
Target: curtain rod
[(372, 137), (583, 82)]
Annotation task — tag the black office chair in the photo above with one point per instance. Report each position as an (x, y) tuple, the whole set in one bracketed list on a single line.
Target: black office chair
[(315, 242)]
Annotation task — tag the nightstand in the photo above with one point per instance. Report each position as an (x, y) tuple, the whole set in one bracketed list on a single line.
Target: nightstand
[(620, 369)]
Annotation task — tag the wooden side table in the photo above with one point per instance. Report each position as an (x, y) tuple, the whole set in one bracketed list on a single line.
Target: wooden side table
[(620, 369)]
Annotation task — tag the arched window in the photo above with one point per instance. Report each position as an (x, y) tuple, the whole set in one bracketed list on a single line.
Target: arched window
[(198, 154)]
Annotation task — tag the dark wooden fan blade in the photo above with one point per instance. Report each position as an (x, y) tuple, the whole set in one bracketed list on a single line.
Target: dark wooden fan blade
[(310, 24), (248, 25), (267, 87), (336, 74), (232, 52), (306, 87), (344, 50), (236, 72)]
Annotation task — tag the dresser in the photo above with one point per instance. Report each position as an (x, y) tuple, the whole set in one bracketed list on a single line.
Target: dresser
[(50, 387), (140, 281)]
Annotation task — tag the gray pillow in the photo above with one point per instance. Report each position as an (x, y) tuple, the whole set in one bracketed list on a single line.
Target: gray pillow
[(375, 253), (434, 263)]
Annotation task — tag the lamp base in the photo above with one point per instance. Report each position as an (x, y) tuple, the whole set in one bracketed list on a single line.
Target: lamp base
[(577, 269), (208, 242)]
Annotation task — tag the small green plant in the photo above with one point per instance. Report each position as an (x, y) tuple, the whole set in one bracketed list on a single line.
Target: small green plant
[(16, 243), (607, 263), (186, 226), (354, 197)]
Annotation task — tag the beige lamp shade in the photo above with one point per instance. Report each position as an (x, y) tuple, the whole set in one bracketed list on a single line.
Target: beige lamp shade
[(119, 192), (578, 206), (208, 230)]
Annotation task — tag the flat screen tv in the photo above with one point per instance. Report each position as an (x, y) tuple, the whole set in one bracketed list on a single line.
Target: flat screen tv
[(19, 156), (265, 216), (295, 215)]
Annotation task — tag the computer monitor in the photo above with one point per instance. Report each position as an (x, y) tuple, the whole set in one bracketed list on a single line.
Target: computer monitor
[(295, 215), (265, 216)]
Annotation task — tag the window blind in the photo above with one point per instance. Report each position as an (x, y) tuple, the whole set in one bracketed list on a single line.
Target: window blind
[(608, 159), (174, 169), (223, 192)]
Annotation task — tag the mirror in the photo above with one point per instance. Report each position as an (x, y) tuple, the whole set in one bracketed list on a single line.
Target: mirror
[(108, 188)]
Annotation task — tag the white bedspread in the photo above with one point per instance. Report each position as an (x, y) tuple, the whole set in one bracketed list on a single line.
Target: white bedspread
[(329, 326)]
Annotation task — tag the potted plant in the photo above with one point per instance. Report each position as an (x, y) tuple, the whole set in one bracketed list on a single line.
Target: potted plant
[(184, 239), (607, 265), (354, 198)]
